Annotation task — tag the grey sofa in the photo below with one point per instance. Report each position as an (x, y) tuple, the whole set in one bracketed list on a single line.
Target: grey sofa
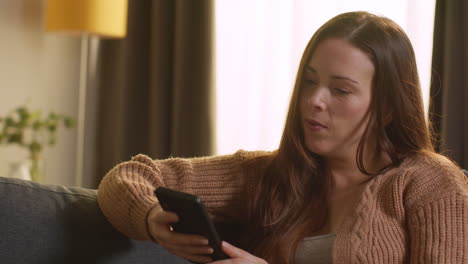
[(57, 224)]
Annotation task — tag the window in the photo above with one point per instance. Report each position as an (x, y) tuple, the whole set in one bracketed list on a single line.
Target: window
[(258, 47)]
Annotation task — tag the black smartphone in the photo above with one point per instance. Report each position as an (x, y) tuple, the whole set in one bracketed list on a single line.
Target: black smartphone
[(193, 217)]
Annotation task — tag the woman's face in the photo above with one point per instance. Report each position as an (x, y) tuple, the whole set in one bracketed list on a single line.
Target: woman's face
[(335, 97)]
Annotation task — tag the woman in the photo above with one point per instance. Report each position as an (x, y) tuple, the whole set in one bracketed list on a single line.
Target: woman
[(355, 178)]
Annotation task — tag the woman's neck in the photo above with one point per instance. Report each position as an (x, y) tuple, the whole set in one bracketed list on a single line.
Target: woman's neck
[(344, 173)]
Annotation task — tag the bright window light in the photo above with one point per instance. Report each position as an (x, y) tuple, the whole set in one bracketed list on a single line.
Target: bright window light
[(258, 47)]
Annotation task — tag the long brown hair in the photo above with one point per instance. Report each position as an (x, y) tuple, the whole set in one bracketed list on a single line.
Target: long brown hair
[(290, 199)]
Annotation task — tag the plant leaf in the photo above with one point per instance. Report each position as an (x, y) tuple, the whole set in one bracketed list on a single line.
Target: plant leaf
[(69, 122)]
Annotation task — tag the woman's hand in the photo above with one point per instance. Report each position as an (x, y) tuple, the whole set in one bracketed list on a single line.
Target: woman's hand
[(238, 256), (191, 247)]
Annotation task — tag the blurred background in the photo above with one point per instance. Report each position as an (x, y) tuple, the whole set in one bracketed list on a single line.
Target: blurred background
[(201, 77)]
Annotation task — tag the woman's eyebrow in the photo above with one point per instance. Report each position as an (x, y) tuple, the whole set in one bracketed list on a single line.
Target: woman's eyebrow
[(338, 77), (344, 78)]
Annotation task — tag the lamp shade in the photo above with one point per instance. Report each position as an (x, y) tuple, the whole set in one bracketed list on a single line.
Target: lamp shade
[(106, 18)]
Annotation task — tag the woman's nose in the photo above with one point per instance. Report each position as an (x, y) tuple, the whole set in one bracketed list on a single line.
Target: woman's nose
[(317, 99)]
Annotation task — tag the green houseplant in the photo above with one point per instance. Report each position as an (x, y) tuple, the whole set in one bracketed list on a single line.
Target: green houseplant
[(30, 130)]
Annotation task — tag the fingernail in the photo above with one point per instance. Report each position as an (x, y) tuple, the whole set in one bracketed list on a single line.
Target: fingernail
[(204, 241)]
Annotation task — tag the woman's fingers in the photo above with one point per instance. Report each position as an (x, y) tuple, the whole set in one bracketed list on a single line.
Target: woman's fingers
[(161, 222), (196, 258), (191, 247), (166, 217), (187, 240), (238, 256), (192, 250), (180, 239), (235, 252), (195, 253)]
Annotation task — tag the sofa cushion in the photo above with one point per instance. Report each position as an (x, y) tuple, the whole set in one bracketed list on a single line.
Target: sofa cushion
[(57, 224)]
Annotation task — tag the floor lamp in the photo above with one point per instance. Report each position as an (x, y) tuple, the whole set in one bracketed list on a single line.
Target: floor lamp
[(86, 18)]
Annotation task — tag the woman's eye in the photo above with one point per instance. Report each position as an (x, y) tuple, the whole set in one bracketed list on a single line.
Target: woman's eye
[(341, 91), (308, 81)]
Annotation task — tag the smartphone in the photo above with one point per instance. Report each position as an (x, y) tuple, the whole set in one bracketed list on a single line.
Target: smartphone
[(193, 217)]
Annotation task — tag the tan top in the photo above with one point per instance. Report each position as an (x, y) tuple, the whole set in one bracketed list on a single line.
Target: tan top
[(315, 249), (415, 213)]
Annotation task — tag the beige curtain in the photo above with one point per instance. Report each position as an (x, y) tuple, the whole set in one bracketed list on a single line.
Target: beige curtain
[(156, 85), (449, 85)]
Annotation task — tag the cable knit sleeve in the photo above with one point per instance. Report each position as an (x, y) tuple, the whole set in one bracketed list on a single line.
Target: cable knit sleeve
[(126, 196), (437, 208)]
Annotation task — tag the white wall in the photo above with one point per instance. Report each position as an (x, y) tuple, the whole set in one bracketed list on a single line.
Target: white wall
[(42, 69)]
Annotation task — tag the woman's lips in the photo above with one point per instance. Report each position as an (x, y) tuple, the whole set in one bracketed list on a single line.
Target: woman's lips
[(315, 125)]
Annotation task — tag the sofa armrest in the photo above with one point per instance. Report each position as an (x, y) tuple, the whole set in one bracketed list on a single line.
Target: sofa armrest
[(57, 224)]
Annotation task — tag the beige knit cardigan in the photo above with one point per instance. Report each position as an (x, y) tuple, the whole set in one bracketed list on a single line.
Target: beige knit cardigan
[(416, 213)]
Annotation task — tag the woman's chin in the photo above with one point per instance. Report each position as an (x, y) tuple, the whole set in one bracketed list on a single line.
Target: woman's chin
[(317, 149)]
